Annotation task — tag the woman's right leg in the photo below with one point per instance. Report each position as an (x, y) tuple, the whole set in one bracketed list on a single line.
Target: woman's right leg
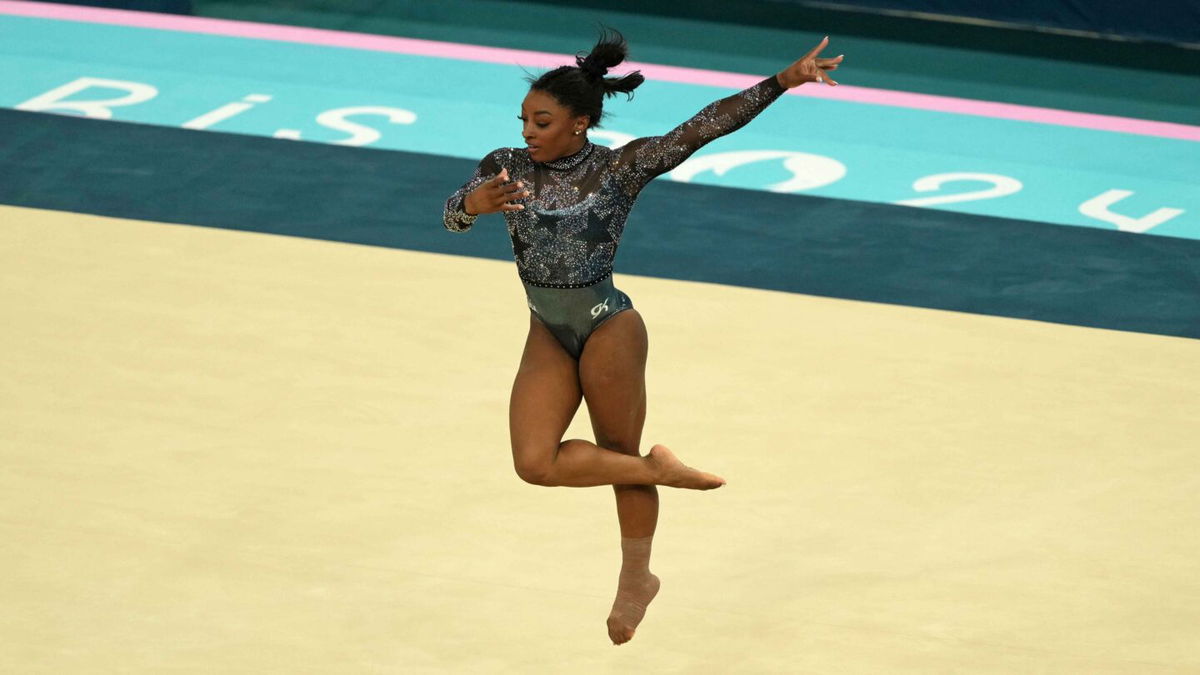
[(545, 396), (612, 372)]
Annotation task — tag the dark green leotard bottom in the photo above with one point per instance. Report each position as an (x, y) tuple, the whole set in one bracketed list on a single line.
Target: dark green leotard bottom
[(572, 314)]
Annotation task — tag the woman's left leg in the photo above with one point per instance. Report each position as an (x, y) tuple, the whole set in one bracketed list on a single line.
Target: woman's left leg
[(612, 374)]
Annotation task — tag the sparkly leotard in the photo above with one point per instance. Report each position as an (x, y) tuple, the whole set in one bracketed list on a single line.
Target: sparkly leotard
[(567, 235)]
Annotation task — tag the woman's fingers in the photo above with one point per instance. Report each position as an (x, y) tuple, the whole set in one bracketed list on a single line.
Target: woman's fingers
[(502, 187), (825, 66), (809, 68), (516, 191), (499, 193), (506, 193), (510, 194), (812, 53)]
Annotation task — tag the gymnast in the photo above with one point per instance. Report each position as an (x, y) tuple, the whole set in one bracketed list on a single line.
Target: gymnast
[(565, 201)]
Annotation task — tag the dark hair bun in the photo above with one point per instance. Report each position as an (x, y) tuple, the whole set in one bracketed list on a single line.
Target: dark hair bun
[(583, 86), (610, 50)]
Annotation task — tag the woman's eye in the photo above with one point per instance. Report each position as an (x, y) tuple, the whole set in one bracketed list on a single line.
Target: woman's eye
[(543, 125)]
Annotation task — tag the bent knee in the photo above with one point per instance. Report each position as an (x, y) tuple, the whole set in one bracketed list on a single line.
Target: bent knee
[(533, 470)]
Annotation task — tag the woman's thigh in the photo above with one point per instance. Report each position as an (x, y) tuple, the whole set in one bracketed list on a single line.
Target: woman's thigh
[(545, 396), (612, 375)]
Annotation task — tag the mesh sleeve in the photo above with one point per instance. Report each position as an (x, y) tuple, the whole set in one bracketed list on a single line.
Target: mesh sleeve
[(454, 217), (644, 158)]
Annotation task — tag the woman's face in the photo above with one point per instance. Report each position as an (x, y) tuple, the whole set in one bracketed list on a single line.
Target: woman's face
[(549, 127)]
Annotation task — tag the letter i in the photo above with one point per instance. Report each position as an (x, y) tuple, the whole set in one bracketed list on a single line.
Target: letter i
[(225, 112)]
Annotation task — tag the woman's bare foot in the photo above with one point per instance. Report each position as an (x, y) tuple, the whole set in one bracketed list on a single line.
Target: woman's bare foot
[(633, 596), (674, 473)]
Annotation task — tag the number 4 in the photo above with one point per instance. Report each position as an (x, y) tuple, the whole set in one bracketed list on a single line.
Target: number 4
[(1097, 207)]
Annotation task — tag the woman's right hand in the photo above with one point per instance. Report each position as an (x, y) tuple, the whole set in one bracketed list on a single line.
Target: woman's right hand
[(494, 195), (810, 69)]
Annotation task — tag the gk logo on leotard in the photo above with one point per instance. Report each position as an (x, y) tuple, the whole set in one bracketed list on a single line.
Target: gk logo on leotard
[(600, 308)]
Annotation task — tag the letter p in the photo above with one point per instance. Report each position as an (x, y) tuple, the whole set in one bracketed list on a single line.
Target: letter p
[(53, 100)]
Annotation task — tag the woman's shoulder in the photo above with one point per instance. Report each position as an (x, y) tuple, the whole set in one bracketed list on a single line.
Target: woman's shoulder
[(512, 159), (605, 151), (507, 154)]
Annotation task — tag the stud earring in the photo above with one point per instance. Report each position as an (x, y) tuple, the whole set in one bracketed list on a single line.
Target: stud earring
[(577, 132)]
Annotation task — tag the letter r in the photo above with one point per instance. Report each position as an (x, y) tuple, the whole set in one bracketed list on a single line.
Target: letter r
[(53, 99)]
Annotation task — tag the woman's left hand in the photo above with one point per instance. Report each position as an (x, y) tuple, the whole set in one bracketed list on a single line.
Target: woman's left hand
[(810, 69)]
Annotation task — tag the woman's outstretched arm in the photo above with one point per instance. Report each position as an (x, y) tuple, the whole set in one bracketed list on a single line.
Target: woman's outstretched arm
[(644, 158)]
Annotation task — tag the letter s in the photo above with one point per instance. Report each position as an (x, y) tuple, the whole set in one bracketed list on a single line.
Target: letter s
[(362, 135)]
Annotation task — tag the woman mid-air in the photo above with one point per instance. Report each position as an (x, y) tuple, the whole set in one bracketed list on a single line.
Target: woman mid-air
[(565, 201)]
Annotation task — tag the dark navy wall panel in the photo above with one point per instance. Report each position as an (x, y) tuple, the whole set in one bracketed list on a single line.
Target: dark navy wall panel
[(164, 6), (1164, 20)]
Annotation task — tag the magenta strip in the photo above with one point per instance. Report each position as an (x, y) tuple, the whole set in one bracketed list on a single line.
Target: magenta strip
[(449, 50)]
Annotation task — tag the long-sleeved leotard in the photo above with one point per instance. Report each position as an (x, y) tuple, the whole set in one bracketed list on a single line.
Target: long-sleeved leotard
[(567, 235)]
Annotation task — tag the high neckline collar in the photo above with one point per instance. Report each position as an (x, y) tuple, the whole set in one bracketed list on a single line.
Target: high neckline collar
[(571, 161)]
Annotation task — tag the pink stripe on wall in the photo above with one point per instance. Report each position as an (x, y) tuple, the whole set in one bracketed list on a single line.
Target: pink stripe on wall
[(450, 50)]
